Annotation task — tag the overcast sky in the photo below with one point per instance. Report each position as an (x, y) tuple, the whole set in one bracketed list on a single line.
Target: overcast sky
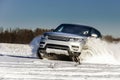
[(104, 15)]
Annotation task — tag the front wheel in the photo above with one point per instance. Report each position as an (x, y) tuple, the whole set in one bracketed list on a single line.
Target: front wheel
[(76, 59), (38, 54)]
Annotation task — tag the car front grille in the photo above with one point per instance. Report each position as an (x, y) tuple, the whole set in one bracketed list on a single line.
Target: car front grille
[(59, 38), (54, 46)]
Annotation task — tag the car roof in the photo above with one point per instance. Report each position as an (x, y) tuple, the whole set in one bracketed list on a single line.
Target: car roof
[(77, 25)]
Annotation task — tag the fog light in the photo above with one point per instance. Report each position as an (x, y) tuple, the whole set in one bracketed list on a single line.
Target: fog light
[(75, 48)]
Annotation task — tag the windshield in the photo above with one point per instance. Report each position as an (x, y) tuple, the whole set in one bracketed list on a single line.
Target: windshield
[(73, 29)]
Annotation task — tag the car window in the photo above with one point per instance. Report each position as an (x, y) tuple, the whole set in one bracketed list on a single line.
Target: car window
[(93, 31), (74, 29)]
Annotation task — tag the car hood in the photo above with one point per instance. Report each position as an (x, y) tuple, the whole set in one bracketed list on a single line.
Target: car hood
[(64, 34)]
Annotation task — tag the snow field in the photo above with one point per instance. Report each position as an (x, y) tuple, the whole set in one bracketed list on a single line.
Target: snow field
[(34, 69), (99, 61)]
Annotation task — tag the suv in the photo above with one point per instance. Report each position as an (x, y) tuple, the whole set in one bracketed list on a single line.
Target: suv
[(66, 39)]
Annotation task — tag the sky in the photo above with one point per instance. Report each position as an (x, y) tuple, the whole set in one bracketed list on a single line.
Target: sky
[(104, 15)]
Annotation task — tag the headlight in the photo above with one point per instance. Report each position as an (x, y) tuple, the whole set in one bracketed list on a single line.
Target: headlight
[(44, 37), (76, 39)]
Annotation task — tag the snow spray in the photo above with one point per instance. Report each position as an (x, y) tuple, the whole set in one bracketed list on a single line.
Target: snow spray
[(100, 51)]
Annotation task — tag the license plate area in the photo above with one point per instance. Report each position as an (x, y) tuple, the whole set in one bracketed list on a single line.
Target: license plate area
[(57, 51)]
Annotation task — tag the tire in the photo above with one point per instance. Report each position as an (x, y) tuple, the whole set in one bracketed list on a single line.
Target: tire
[(38, 54), (76, 58)]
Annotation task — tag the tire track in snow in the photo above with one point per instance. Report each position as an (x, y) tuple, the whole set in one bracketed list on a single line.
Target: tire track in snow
[(35, 69)]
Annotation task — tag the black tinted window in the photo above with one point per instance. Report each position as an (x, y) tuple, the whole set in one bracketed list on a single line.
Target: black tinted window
[(74, 29), (94, 31)]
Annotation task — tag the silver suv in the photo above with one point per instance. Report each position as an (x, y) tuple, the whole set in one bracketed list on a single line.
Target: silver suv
[(67, 40)]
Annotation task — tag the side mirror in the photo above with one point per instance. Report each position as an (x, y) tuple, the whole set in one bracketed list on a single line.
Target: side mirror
[(94, 35)]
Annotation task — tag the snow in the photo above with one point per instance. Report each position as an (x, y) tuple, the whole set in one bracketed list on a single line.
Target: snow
[(99, 51), (15, 50), (13, 68), (99, 61)]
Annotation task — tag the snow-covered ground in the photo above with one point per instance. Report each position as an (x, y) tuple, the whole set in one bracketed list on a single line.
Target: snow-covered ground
[(13, 68), (99, 61)]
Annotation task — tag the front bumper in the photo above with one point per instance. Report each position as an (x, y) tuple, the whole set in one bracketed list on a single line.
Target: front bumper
[(60, 47)]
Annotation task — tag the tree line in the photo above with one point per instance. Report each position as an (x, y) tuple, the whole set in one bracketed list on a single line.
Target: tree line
[(110, 38), (25, 36), (22, 36)]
